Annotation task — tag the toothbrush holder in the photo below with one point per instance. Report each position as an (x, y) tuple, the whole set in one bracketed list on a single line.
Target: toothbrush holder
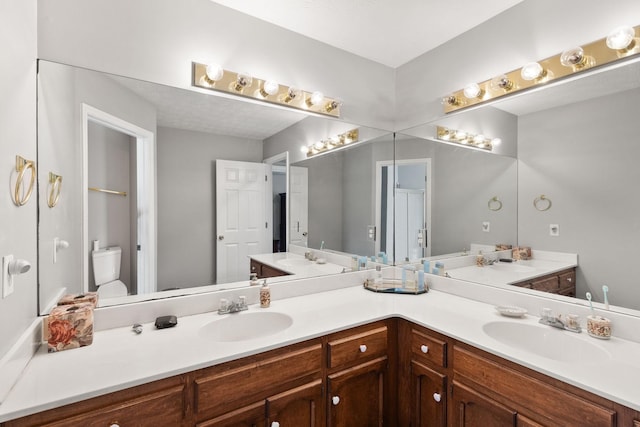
[(599, 327)]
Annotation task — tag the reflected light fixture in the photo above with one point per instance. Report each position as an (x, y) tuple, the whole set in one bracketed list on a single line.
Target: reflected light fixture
[(331, 143), (621, 43), (462, 137), (215, 78)]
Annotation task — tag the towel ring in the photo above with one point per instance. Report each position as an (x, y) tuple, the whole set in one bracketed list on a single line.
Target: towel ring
[(542, 198), (22, 165), (55, 186), (494, 204)]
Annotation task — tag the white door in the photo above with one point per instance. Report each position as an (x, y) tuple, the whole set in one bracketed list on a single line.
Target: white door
[(299, 206), (409, 223), (241, 223)]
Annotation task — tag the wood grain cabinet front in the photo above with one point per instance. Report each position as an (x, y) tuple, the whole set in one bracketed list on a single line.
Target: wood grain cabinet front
[(265, 271), (562, 282)]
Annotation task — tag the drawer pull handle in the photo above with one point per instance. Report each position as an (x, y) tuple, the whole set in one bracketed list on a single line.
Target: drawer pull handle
[(275, 424), (424, 349), (437, 397), (363, 348), (335, 400)]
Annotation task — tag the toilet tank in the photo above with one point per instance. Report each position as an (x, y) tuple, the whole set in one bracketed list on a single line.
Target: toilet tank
[(106, 265)]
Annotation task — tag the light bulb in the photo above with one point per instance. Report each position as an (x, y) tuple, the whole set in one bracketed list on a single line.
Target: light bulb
[(620, 38), (478, 139), (304, 149), (242, 81), (315, 99), (292, 94), (332, 105), (501, 82), (214, 73), (450, 100), (573, 57), (496, 141), (472, 90), (270, 87), (531, 71)]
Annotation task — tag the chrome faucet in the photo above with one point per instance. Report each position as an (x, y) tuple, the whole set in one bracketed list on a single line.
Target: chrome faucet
[(227, 307), (569, 323)]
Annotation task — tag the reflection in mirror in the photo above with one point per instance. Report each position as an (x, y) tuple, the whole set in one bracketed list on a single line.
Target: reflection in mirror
[(453, 191), (576, 144), (193, 132), (343, 196)]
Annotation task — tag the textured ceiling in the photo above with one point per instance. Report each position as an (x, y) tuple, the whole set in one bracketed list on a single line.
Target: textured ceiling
[(391, 32)]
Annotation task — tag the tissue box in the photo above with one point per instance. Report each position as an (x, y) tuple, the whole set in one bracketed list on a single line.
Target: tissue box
[(69, 326), (521, 252), (87, 297)]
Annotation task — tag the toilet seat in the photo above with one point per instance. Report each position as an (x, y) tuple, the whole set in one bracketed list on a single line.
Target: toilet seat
[(112, 290)]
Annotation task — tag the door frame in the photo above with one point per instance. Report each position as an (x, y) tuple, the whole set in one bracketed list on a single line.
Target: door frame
[(146, 195)]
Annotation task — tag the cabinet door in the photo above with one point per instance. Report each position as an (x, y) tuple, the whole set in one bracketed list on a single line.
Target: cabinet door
[(298, 407), (428, 397), (356, 395), (248, 416), (471, 409)]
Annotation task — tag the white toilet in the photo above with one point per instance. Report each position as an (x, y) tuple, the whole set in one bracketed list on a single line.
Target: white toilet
[(106, 271)]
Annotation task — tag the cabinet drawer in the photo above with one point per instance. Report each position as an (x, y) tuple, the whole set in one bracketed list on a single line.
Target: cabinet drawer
[(228, 386), (357, 347), (548, 284), (567, 280), (428, 349), (559, 405), (163, 407)]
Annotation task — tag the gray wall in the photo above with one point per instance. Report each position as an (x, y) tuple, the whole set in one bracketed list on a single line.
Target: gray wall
[(158, 39), (589, 169), (62, 91), (17, 136), (186, 202)]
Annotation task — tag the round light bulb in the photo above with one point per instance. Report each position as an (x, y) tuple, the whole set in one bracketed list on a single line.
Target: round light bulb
[(501, 82), (478, 139), (315, 98), (620, 38), (496, 141), (472, 90), (531, 71), (304, 149), (214, 72), (573, 57), (244, 79), (270, 87)]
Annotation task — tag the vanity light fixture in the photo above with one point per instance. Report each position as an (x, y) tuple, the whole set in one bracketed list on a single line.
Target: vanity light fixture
[(465, 138), (332, 143), (620, 43), (213, 77)]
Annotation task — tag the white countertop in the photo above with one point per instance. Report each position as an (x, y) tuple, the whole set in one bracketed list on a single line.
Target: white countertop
[(297, 265), (508, 273), (118, 358)]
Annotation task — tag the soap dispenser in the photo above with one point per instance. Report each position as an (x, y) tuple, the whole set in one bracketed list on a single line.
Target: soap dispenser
[(265, 295)]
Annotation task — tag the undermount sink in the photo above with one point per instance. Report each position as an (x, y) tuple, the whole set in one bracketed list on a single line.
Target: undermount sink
[(292, 262), (548, 342), (246, 325), (512, 267)]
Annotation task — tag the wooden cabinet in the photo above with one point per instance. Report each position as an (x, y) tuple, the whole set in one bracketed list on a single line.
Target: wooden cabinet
[(563, 283), (472, 409), (264, 271), (159, 403), (357, 381), (428, 396), (301, 406)]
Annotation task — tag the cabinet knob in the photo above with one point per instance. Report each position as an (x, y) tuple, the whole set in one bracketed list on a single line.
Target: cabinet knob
[(569, 279), (253, 268), (424, 349), (363, 348), (114, 424), (275, 424), (437, 397), (335, 400)]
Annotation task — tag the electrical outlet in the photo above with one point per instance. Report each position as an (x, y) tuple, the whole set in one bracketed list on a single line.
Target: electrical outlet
[(486, 226), (7, 279), (554, 230)]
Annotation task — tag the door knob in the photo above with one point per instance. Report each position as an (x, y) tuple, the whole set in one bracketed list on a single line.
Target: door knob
[(304, 233), (221, 237)]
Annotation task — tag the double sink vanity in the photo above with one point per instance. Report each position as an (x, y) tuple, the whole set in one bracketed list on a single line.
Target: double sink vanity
[(340, 357)]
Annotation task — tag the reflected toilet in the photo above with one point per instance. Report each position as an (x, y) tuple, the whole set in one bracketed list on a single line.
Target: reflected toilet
[(106, 272)]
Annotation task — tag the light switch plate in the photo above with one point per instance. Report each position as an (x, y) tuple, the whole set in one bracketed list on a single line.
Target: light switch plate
[(554, 230), (7, 279)]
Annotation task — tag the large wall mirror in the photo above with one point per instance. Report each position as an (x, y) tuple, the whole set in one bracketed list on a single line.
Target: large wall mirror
[(577, 144), (138, 164)]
